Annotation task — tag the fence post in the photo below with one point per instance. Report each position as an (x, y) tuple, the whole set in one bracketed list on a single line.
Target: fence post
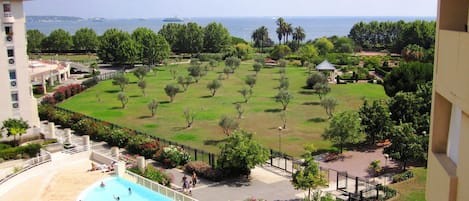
[(195, 154), (356, 185), (285, 158), (361, 195), (377, 191), (337, 183), (210, 159), (271, 157)]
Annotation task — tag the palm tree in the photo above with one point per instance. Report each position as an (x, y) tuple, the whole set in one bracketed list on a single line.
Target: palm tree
[(287, 31), (259, 36), (298, 34), (280, 29)]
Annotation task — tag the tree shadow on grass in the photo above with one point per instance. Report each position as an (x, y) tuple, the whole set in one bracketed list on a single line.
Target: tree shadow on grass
[(317, 120), (164, 102), (214, 142), (144, 116), (311, 103), (307, 92), (207, 96), (178, 128), (112, 91), (115, 108), (273, 110), (134, 96)]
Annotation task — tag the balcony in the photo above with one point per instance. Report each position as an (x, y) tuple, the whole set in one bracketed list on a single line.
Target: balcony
[(441, 179), (8, 17)]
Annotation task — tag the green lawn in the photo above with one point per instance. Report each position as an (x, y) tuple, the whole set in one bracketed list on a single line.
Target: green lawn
[(306, 119), (413, 189)]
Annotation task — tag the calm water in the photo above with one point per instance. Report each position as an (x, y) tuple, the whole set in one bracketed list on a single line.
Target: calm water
[(240, 27), (115, 186)]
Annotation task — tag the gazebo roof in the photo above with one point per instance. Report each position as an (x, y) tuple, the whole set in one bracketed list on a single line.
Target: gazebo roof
[(325, 65)]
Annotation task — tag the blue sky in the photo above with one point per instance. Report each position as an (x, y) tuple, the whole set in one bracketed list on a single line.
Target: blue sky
[(233, 8)]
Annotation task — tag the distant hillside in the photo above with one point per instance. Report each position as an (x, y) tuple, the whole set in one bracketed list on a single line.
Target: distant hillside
[(52, 19)]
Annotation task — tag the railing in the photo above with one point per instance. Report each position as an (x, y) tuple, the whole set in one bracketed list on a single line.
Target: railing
[(163, 190), (76, 149), (26, 165)]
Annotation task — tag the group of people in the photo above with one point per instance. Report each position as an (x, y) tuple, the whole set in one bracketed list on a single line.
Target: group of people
[(188, 185), (102, 185)]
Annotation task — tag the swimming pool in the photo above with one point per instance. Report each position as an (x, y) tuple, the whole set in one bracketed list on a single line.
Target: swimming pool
[(118, 187)]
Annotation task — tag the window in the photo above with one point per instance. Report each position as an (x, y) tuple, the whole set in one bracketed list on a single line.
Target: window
[(454, 134), (8, 30), (10, 52), (12, 74), (14, 96), (7, 9)]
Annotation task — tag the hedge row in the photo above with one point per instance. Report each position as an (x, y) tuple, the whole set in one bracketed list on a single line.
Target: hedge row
[(27, 151), (120, 137)]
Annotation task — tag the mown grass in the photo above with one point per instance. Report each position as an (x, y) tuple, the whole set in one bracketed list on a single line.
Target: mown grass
[(413, 189), (306, 119)]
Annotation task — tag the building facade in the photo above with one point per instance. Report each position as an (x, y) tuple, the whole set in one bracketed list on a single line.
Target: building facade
[(16, 98), (448, 175)]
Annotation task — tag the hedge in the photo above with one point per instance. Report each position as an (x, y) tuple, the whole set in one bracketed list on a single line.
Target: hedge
[(26, 151)]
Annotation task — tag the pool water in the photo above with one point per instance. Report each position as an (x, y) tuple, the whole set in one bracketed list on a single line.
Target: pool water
[(118, 187)]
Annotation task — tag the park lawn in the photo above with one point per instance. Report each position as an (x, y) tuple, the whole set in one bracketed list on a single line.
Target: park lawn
[(306, 119), (413, 189), (83, 58)]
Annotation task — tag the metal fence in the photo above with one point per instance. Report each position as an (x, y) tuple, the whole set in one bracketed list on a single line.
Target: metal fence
[(44, 157), (168, 192), (108, 75)]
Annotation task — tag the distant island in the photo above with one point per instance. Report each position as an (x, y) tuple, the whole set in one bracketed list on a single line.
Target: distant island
[(173, 19), (53, 19)]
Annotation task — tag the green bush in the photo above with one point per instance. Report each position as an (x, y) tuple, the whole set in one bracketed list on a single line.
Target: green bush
[(27, 151), (172, 156), (118, 137), (402, 176), (154, 174), (4, 146), (143, 146)]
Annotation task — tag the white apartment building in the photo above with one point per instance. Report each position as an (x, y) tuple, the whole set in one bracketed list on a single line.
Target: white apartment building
[(16, 97)]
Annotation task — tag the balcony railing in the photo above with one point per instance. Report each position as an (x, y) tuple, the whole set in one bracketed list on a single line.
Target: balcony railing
[(8, 17)]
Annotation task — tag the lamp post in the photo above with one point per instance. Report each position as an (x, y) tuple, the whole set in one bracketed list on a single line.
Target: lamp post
[(386, 157)]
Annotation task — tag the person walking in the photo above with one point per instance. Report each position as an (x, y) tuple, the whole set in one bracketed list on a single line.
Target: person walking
[(194, 179), (185, 184)]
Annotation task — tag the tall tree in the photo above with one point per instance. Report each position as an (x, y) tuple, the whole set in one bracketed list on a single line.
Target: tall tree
[(407, 77), (127, 52), (405, 144), (260, 36), (375, 120), (109, 43), (216, 37), (307, 53), (191, 38), (85, 39), (171, 32), (280, 29), (153, 48), (284, 97), (344, 128), (34, 40), (298, 35), (58, 40), (241, 153), (323, 45), (15, 127)]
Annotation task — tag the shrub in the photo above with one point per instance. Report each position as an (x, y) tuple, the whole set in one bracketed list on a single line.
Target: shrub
[(143, 146), (90, 82), (282, 63), (118, 137), (210, 56), (38, 90), (204, 170), (172, 156), (154, 174), (27, 151), (402, 176), (388, 192)]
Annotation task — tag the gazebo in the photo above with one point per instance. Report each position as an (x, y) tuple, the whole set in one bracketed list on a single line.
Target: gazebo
[(327, 68)]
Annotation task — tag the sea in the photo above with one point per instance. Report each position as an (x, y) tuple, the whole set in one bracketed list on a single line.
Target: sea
[(315, 27)]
